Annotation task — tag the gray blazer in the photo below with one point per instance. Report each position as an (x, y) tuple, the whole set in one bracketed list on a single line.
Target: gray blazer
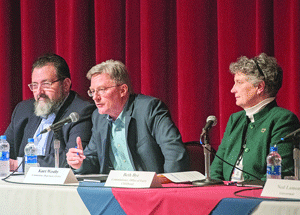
[(24, 124), (154, 142)]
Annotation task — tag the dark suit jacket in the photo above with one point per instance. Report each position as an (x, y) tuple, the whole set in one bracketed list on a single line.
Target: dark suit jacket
[(154, 142), (24, 124)]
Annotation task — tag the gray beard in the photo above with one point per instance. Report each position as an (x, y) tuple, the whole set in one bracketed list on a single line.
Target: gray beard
[(44, 109)]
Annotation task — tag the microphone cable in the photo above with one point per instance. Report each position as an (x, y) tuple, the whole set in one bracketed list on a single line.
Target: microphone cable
[(4, 179), (215, 154)]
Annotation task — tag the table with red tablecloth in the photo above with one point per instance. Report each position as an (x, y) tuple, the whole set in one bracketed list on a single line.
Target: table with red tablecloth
[(176, 199), (171, 199), (95, 198)]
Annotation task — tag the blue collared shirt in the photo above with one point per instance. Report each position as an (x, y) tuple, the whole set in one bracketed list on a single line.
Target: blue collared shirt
[(41, 140), (118, 150)]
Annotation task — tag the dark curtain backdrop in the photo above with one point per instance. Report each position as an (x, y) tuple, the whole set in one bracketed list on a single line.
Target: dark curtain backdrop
[(176, 50)]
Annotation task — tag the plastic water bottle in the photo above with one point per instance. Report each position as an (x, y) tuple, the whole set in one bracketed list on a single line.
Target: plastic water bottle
[(274, 164), (4, 156), (30, 155)]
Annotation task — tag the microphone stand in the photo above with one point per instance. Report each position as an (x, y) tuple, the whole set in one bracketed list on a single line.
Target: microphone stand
[(206, 149), (296, 156), (56, 148)]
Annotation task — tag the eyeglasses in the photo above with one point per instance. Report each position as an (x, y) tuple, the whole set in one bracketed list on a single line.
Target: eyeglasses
[(101, 91), (45, 85)]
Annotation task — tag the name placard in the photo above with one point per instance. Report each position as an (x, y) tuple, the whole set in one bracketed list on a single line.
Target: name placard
[(132, 179), (47, 175), (282, 188)]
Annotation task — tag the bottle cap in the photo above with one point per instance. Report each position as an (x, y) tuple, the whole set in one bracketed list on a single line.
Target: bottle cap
[(273, 149), (3, 137), (30, 140)]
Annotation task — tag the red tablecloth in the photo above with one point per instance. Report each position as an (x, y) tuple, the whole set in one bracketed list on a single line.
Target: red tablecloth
[(176, 199)]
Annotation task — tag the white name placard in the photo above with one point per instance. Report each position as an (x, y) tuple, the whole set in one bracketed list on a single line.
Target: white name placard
[(282, 188), (47, 175), (132, 179)]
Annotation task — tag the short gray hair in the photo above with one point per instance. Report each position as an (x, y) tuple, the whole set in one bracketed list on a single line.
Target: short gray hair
[(116, 70), (260, 68)]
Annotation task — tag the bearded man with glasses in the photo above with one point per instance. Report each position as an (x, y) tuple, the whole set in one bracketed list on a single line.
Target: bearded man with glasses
[(53, 100), (131, 132)]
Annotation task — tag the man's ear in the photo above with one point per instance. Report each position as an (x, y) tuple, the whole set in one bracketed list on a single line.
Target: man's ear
[(67, 85), (124, 89)]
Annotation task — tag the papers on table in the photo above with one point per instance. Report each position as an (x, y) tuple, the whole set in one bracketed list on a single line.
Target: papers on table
[(182, 177)]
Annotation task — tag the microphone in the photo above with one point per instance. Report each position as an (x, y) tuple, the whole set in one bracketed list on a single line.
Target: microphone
[(292, 135), (210, 122), (73, 117)]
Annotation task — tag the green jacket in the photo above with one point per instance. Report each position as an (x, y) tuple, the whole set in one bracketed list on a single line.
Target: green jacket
[(271, 124)]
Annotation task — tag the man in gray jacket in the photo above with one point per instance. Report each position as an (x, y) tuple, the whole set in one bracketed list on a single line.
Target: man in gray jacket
[(130, 132)]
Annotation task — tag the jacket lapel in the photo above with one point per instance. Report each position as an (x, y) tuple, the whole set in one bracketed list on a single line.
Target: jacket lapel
[(33, 123), (104, 131), (130, 131), (128, 113)]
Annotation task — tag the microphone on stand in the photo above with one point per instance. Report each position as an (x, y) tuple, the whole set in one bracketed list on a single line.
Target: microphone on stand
[(292, 135), (210, 122), (73, 117)]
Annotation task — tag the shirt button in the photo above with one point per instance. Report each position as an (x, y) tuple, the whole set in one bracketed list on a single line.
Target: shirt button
[(118, 145), (247, 149), (124, 161), (251, 126)]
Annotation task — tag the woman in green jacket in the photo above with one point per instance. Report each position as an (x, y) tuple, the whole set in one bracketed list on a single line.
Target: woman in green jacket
[(250, 133)]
